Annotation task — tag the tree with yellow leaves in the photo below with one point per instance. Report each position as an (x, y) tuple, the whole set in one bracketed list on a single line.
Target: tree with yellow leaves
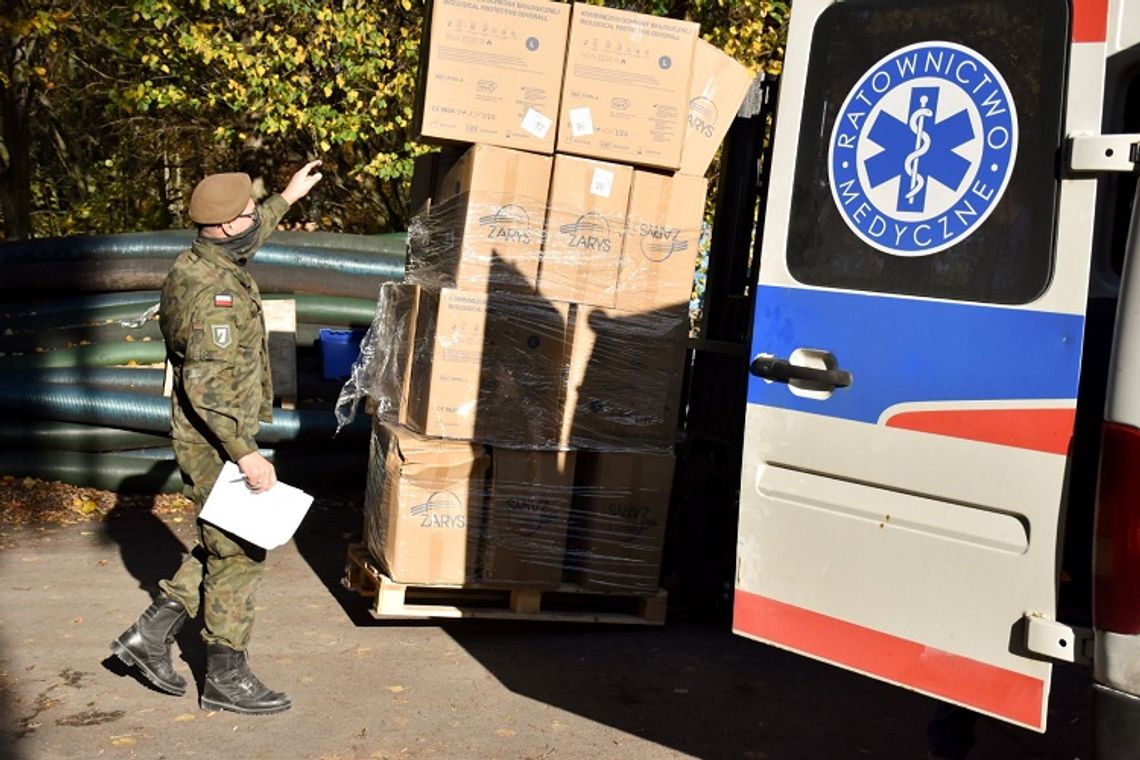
[(111, 110)]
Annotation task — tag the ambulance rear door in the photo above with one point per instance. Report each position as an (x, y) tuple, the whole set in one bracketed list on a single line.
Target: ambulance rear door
[(917, 342)]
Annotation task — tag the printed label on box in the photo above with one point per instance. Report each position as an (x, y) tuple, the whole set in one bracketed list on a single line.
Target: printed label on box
[(581, 122), (537, 124), (603, 183)]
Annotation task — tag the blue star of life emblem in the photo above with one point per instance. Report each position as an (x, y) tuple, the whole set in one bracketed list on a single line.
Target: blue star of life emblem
[(923, 148)]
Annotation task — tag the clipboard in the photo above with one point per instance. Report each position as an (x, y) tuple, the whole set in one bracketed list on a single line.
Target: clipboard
[(267, 519)]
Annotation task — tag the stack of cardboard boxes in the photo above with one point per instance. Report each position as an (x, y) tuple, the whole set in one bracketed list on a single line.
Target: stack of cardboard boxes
[(533, 357)]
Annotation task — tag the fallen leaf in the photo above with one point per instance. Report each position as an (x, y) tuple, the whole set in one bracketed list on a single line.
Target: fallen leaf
[(395, 689), (124, 741), (505, 732), (185, 717)]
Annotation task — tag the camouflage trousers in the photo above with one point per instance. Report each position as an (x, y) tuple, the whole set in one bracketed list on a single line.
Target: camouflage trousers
[(223, 571)]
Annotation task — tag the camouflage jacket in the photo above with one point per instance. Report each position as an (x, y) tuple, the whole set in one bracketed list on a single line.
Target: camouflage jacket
[(216, 343)]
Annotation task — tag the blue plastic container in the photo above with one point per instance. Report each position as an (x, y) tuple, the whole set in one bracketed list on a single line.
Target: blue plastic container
[(339, 349)]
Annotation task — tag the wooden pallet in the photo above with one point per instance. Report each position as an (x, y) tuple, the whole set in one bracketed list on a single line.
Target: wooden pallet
[(567, 603)]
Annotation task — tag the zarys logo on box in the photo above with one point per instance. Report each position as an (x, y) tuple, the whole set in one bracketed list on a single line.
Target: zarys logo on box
[(443, 509), (702, 115), (659, 241), (507, 224), (591, 232), (923, 148)]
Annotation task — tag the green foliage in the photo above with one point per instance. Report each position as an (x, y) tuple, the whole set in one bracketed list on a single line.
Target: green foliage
[(128, 104), (268, 84)]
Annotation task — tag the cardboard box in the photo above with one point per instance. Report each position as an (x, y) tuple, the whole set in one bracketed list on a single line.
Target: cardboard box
[(626, 90), (719, 85), (528, 509), (423, 505), (588, 204), (489, 367), (485, 225), (624, 382), (662, 238), (617, 525), (491, 72)]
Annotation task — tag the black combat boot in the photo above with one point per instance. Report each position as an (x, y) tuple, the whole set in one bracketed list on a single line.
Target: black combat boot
[(146, 644), (231, 685)]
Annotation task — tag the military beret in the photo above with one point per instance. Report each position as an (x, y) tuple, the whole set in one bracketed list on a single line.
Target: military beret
[(220, 198)]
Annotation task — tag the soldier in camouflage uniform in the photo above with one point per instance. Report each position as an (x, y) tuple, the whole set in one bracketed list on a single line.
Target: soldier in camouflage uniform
[(217, 345)]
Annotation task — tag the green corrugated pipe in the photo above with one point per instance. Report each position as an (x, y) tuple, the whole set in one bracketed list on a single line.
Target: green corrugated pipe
[(130, 474), (136, 411), (148, 380), (138, 379), (110, 472), (340, 252), (331, 310), (105, 355), (45, 309), (83, 310), (127, 312), (60, 338), (57, 277), (69, 436)]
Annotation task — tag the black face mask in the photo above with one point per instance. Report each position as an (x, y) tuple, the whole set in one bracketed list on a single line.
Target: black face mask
[(242, 246)]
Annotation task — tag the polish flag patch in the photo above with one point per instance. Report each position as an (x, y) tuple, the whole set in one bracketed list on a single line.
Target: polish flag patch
[(225, 300)]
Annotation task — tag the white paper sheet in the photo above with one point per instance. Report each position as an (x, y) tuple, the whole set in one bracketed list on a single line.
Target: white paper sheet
[(267, 519)]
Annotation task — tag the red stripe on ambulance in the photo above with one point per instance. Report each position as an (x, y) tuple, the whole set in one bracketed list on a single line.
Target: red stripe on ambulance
[(987, 688), (1047, 430), (1090, 20)]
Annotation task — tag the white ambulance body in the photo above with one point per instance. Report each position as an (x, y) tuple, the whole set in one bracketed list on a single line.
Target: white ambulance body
[(918, 336)]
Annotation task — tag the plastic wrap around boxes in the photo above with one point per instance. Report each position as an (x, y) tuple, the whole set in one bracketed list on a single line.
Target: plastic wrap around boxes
[(525, 378), (440, 511), (521, 440)]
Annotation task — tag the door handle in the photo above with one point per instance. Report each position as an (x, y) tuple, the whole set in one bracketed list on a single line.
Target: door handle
[(782, 370)]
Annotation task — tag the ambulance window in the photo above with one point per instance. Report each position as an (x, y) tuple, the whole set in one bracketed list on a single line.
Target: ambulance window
[(929, 148)]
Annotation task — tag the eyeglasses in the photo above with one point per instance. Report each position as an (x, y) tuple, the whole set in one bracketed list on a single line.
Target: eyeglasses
[(252, 216)]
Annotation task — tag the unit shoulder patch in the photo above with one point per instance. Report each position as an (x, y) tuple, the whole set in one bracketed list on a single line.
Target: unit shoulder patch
[(223, 335)]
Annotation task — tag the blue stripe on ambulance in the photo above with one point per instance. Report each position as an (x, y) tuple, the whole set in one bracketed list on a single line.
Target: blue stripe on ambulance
[(937, 351)]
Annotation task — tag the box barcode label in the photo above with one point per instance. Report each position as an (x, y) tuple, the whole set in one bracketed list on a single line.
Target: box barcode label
[(581, 122), (537, 124), (602, 183)]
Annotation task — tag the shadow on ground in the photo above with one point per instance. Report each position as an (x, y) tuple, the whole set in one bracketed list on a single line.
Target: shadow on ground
[(151, 552), (694, 687)]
